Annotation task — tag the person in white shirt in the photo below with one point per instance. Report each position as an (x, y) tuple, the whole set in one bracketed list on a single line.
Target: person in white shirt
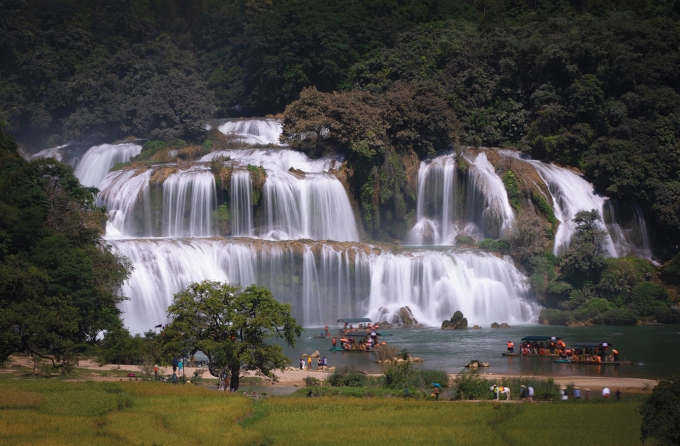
[(606, 392)]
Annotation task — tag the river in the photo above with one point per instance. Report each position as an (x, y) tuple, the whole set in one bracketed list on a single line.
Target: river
[(654, 347)]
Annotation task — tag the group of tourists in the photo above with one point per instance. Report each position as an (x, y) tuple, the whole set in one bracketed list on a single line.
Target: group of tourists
[(321, 363), (367, 343), (580, 352)]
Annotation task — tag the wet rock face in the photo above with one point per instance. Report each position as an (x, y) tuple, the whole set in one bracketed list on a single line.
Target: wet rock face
[(407, 318)]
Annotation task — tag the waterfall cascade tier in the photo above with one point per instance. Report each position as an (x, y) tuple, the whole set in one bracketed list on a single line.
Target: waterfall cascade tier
[(276, 200), (251, 131), (324, 281), (450, 203), (276, 159), (570, 193), (98, 161)]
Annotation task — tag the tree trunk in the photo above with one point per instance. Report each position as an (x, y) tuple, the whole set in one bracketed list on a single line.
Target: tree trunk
[(235, 376)]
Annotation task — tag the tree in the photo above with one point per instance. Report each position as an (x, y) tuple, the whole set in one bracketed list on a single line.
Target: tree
[(59, 284), (232, 327), (585, 256), (528, 236), (661, 413)]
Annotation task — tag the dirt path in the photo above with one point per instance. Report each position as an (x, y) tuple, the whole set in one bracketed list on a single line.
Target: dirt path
[(289, 377)]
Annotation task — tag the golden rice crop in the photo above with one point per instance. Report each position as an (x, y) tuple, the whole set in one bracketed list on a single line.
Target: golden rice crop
[(18, 399)]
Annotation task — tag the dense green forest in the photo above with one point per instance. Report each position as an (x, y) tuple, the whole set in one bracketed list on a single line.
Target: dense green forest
[(589, 84)]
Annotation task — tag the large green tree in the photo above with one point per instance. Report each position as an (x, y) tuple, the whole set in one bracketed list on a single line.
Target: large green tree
[(232, 327), (59, 283)]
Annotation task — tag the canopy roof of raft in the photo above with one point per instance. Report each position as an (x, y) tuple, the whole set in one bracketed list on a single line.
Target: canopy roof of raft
[(541, 338), (591, 344), (354, 320)]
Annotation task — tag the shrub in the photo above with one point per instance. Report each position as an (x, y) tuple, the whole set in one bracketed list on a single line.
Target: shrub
[(555, 317), (471, 386), (491, 245), (646, 296), (661, 413), (668, 316), (425, 377), (311, 381), (619, 316), (398, 375)]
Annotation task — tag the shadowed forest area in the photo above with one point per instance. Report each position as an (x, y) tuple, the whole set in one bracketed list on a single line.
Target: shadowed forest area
[(591, 84)]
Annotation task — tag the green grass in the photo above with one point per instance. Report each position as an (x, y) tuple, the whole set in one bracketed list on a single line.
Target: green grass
[(53, 412), (393, 421)]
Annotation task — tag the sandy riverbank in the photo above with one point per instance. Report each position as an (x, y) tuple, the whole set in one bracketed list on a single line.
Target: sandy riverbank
[(290, 378)]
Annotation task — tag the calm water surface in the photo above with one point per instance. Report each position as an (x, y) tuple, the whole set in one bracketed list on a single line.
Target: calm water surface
[(655, 347)]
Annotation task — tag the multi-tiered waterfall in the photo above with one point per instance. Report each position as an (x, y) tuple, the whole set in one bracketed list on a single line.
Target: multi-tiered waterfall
[(274, 217)]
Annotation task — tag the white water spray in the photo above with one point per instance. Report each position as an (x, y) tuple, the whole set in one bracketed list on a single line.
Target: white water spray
[(98, 161)]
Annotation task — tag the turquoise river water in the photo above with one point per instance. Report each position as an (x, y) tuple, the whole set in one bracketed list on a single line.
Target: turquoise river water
[(656, 349)]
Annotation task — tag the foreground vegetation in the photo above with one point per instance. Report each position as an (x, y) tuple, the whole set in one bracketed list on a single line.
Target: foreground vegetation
[(43, 412)]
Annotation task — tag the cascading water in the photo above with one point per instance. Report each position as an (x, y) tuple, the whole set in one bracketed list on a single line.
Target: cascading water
[(253, 131), (52, 152), (435, 284), (189, 199), (571, 194), (126, 196), (98, 161), (441, 211), (488, 203), (323, 281), (627, 229), (288, 196), (241, 203), (276, 159), (312, 206)]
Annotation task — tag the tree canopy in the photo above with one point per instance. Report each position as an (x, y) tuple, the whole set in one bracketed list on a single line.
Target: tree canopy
[(59, 283), (234, 328)]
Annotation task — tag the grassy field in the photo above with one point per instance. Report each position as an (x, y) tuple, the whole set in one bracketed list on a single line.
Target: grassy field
[(51, 412)]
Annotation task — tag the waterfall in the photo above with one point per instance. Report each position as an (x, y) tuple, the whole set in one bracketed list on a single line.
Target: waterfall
[(126, 196), (99, 160), (189, 199), (241, 189), (436, 284), (488, 204), (277, 159), (52, 152), (443, 211), (571, 193), (627, 228), (312, 206), (253, 131), (324, 281)]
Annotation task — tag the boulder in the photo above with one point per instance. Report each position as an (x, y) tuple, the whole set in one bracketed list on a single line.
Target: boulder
[(456, 322), (501, 325), (331, 369), (476, 364), (316, 354), (477, 326), (407, 318)]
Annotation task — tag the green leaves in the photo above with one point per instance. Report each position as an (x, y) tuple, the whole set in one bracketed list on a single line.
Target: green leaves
[(233, 327)]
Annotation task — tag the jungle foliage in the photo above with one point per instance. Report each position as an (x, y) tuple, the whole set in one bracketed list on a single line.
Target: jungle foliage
[(59, 283), (585, 83)]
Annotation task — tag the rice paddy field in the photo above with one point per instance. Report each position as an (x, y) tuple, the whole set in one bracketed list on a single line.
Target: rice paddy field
[(47, 412)]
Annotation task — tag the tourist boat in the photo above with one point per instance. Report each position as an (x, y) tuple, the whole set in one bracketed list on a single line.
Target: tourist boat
[(593, 353), (542, 347), (361, 325), (354, 342)]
